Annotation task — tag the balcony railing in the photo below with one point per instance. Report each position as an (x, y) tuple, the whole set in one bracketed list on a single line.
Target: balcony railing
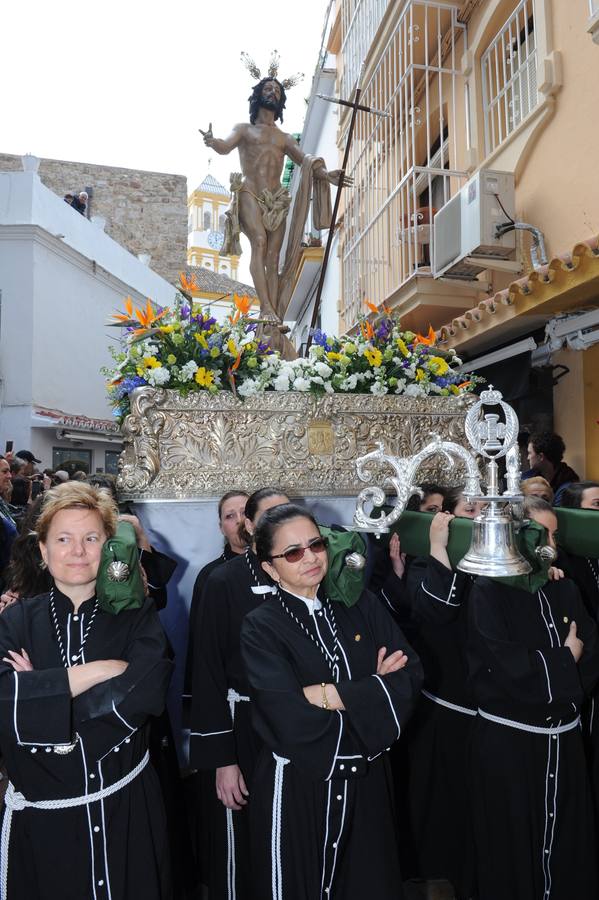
[(359, 22), (509, 75), (403, 166)]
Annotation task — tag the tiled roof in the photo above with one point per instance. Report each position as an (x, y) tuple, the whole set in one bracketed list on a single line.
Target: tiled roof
[(211, 186), (212, 283), (526, 293)]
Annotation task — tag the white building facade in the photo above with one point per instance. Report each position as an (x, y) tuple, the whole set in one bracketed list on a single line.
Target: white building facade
[(61, 278), (318, 138)]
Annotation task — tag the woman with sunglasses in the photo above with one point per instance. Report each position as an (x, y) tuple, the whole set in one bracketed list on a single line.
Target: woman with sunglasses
[(223, 743), (333, 687)]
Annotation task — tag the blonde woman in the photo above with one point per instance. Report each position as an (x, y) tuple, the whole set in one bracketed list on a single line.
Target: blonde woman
[(84, 815)]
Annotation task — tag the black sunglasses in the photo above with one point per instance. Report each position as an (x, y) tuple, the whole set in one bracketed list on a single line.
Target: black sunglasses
[(318, 545)]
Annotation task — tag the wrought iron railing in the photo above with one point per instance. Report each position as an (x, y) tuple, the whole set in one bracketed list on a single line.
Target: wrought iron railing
[(509, 76)]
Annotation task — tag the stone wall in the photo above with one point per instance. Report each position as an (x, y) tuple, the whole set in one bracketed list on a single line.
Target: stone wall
[(146, 212)]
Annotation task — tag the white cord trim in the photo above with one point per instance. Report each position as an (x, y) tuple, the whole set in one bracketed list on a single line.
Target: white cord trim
[(380, 680), (209, 733), (338, 745), (15, 802), (231, 884), (387, 601), (277, 803), (454, 706), (533, 729), (17, 735), (547, 677), (123, 720), (440, 599), (89, 823)]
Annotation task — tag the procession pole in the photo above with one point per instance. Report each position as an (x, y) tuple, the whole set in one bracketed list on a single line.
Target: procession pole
[(331, 233)]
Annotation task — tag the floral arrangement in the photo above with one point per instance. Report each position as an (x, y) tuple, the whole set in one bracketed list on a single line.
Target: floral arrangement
[(186, 349)]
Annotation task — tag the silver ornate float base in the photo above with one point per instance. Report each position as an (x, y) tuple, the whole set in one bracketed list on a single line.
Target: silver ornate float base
[(183, 448)]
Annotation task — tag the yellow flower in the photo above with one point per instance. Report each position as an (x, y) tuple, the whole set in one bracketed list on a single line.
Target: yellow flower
[(374, 357), (214, 352), (402, 347), (201, 340), (167, 329), (454, 389), (420, 374), (333, 356), (438, 365), (232, 347), (150, 362), (204, 377), (171, 359), (140, 371)]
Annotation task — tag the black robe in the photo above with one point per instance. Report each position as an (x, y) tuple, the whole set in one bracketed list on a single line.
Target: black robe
[(438, 738), (585, 572), (532, 810), (112, 848), (198, 786), (321, 806), (221, 730)]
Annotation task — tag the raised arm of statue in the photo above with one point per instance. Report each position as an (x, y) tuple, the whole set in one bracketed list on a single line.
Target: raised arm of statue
[(225, 146)]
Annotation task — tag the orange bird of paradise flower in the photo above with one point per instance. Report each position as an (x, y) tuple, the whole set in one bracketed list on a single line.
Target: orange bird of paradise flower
[(429, 340), (146, 317), (188, 284), (242, 305), (371, 306), (367, 330), (120, 317)]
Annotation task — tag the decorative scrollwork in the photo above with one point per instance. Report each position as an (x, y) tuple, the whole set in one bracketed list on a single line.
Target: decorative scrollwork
[(404, 481), (204, 444)]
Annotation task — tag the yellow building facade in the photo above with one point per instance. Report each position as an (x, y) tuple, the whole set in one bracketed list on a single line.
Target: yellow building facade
[(206, 208), (490, 121)]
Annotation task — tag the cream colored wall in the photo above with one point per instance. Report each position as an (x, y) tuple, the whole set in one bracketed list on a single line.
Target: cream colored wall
[(556, 187), (569, 408), (590, 360)]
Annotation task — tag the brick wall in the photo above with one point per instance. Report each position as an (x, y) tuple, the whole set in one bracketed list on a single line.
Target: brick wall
[(146, 212)]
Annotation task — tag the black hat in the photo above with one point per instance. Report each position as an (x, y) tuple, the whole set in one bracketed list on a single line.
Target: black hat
[(28, 456)]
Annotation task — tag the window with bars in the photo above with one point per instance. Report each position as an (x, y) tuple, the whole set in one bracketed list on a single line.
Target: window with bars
[(509, 76), (207, 220), (360, 20), (402, 165)]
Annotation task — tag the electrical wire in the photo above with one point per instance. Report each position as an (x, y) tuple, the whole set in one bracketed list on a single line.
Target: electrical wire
[(504, 209)]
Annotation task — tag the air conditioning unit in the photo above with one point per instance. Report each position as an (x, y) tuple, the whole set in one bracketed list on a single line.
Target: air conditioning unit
[(465, 241)]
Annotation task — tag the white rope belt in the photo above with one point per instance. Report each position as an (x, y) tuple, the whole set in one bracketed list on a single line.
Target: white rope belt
[(454, 706), (15, 802), (277, 803), (232, 697), (533, 729)]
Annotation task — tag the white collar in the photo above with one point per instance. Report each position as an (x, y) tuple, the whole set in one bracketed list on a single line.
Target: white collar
[(313, 605)]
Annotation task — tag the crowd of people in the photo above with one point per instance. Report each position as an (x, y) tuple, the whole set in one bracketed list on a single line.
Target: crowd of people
[(430, 729)]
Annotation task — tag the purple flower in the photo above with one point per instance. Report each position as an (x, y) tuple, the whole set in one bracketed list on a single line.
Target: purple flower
[(263, 347), (319, 337), (208, 324), (251, 327), (129, 384), (185, 311), (441, 381), (382, 331), (405, 364)]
